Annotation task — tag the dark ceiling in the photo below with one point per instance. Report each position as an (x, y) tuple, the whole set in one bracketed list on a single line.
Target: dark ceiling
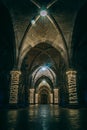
[(60, 4)]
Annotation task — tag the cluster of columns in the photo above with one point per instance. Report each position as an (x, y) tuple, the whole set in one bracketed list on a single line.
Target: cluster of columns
[(72, 89), (33, 98)]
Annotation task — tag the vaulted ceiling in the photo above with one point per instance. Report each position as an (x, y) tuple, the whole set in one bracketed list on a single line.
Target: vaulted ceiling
[(54, 41), (63, 14), (43, 62)]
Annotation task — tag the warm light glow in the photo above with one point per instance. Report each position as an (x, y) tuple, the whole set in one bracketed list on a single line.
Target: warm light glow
[(44, 81), (43, 13), (32, 95), (56, 95), (36, 98)]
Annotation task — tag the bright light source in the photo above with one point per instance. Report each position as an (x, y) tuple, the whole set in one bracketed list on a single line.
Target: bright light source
[(32, 22), (43, 13), (44, 81), (44, 68)]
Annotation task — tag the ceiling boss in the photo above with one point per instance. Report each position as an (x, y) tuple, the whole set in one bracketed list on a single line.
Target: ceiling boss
[(43, 11)]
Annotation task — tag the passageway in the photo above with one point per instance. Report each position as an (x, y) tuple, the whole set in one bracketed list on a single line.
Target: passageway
[(43, 76)]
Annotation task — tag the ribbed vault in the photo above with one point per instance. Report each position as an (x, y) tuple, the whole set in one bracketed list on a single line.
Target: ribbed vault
[(46, 27), (44, 71), (43, 60)]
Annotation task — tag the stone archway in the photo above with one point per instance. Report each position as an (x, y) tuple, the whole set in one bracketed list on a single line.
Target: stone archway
[(44, 97), (43, 63)]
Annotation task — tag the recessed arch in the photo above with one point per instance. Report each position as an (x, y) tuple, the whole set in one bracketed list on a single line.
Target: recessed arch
[(34, 60), (41, 79), (44, 95), (47, 52), (46, 84), (47, 70)]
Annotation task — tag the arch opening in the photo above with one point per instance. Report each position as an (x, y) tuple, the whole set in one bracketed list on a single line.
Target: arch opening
[(42, 66), (44, 97)]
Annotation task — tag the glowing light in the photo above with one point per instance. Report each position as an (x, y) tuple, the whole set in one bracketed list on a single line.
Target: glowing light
[(32, 22), (44, 81), (43, 13), (44, 68)]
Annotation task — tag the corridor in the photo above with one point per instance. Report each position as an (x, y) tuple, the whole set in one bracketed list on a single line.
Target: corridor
[(43, 117), (43, 55)]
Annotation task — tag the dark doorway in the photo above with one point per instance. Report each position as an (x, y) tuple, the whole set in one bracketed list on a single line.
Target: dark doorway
[(44, 99)]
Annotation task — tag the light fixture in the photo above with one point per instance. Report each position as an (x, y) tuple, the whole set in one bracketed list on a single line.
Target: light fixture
[(44, 81), (43, 13), (43, 68), (32, 22)]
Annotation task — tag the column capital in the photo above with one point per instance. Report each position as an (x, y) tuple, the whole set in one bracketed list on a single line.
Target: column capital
[(15, 72), (71, 72), (32, 89), (55, 89)]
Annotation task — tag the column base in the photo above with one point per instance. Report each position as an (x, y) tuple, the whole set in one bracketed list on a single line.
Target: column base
[(32, 103), (3, 106), (74, 106), (13, 106), (55, 103), (23, 105)]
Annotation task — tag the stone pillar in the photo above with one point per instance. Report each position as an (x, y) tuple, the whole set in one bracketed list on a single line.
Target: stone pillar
[(51, 98), (36, 98), (32, 96), (72, 87), (15, 77), (56, 96)]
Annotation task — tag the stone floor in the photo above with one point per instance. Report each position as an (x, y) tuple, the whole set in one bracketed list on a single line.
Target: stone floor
[(43, 117)]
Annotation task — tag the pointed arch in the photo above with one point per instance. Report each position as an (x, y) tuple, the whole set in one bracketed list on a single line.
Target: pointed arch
[(44, 30)]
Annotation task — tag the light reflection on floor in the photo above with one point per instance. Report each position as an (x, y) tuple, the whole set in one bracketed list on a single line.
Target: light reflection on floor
[(43, 117)]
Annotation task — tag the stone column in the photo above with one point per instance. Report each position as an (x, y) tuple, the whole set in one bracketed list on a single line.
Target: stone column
[(36, 98), (55, 95), (72, 87), (32, 96), (15, 77), (51, 98)]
